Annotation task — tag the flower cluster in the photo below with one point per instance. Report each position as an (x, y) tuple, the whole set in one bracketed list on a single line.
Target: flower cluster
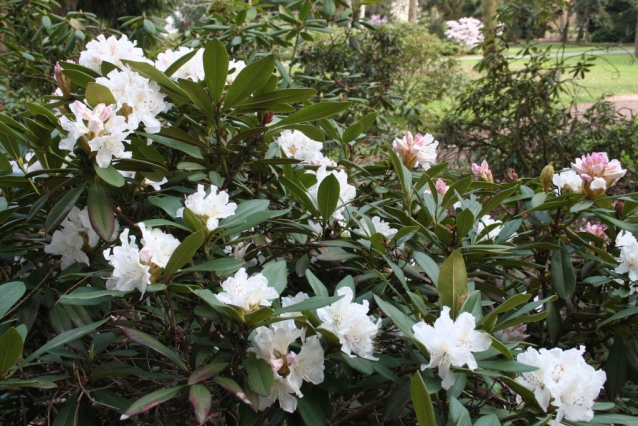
[(248, 293), (416, 150), (209, 207), (564, 379), (76, 236), (451, 343), (297, 145), (135, 268), (110, 50), (567, 182), (378, 226), (351, 324), (466, 31), (193, 69), (598, 173), (378, 19), (347, 192), (291, 369), (628, 256)]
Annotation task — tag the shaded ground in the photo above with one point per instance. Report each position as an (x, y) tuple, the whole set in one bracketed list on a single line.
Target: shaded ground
[(626, 105)]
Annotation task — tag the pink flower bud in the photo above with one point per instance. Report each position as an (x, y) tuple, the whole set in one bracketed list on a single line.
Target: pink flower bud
[(441, 187), (482, 172)]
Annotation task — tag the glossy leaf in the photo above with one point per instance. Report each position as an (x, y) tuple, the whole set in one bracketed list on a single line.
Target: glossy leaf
[(315, 112), (563, 275), (453, 283), (61, 210), (422, 402), (200, 398), (97, 94), (184, 253), (151, 400), (101, 212), (10, 293), (205, 372), (328, 196), (260, 375), (110, 175), (216, 68), (249, 80), (152, 343), (10, 349)]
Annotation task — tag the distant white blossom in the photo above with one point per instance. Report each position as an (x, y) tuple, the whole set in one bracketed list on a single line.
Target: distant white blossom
[(210, 208), (451, 343), (297, 145), (247, 292), (237, 66), (111, 50), (379, 226), (351, 324), (563, 379), (466, 31), (193, 69)]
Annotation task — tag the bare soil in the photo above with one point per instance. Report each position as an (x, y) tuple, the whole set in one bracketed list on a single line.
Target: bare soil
[(626, 105)]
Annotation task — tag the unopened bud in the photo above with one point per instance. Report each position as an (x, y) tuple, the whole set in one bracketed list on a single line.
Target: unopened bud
[(61, 80), (547, 175), (510, 175)]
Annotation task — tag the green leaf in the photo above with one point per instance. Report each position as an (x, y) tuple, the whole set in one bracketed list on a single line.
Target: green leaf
[(311, 412), (317, 286), (200, 398), (616, 368), (430, 267), (206, 372), (496, 344), (152, 343), (507, 366), (170, 142), (422, 402), (236, 390), (61, 210), (10, 293), (151, 400), (277, 275), (228, 311), (97, 94), (329, 7), (193, 221), (622, 224), (90, 296), (217, 265), (352, 132), (101, 212), (400, 319), (110, 175), (314, 112), (175, 66), (10, 349), (285, 96), (328, 196), (248, 80), (300, 195), (62, 339), (453, 283), (464, 222), (184, 253), (148, 26), (510, 303), (309, 304), (149, 71), (260, 375), (78, 77), (198, 96), (488, 420), (563, 275), (216, 68), (618, 315)]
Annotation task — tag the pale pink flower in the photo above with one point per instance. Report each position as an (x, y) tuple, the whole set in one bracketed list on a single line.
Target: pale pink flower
[(512, 334), (596, 230), (598, 173), (415, 150), (482, 172), (441, 187)]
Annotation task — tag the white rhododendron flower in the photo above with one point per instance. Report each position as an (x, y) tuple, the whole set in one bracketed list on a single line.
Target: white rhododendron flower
[(141, 98), (129, 273), (157, 185), (111, 50), (628, 258), (379, 226), (289, 301), (351, 324), (193, 69), (237, 66), (158, 247), (248, 293), (291, 369), (451, 343), (297, 145), (76, 235), (563, 379), (111, 143), (347, 192), (416, 150), (567, 181), (210, 208)]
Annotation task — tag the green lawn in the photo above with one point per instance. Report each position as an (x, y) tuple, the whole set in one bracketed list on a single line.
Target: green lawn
[(611, 75)]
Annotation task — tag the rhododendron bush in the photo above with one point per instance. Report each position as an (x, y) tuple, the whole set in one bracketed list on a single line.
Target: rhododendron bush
[(178, 248)]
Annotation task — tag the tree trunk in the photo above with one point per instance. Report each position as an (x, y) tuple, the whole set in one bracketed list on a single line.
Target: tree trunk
[(489, 25), (412, 11), (636, 40), (565, 30)]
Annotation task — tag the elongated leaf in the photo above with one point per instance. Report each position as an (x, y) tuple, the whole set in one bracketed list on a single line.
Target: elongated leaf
[(199, 97), (260, 375), (206, 372), (101, 212), (61, 210), (62, 339), (170, 142), (172, 69), (285, 96), (508, 366), (618, 315), (97, 94), (277, 275), (217, 265), (315, 112), (216, 68), (152, 343), (317, 286), (352, 132), (184, 253), (510, 303), (149, 71), (422, 402), (10, 349), (616, 368), (563, 275), (300, 195), (200, 398), (10, 293), (248, 80), (151, 400), (110, 175), (400, 319), (328, 196), (67, 414), (430, 267), (311, 412), (453, 283), (309, 304), (236, 390)]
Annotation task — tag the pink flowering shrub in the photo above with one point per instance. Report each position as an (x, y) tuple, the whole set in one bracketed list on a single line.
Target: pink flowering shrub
[(466, 31)]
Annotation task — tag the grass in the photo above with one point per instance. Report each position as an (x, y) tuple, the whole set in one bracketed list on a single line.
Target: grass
[(611, 75)]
